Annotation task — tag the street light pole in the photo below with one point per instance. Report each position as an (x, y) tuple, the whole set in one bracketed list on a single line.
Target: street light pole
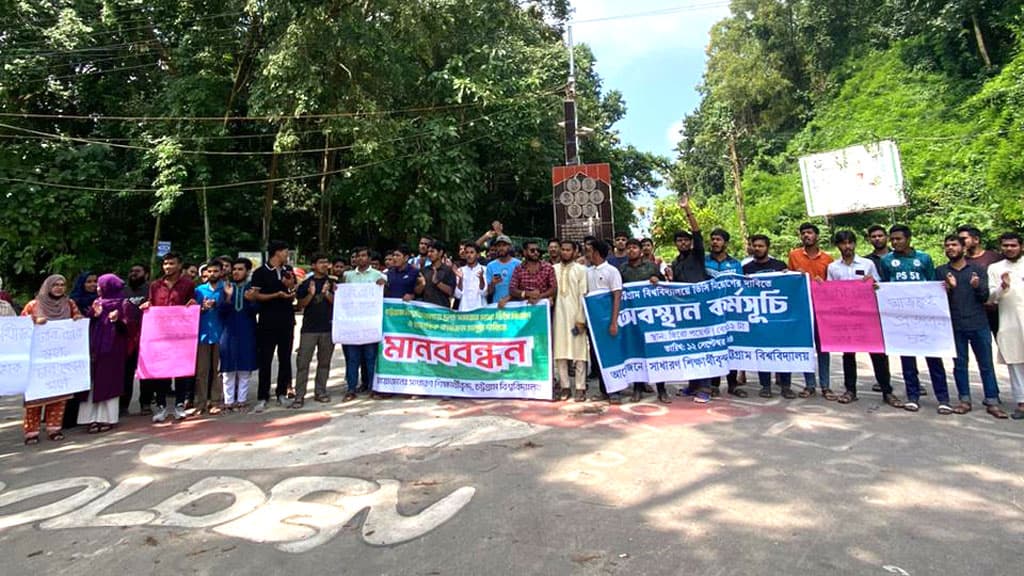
[(569, 107)]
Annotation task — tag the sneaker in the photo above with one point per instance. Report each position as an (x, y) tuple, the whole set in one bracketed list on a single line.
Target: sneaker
[(260, 406), (161, 414), (179, 411), (702, 398), (282, 401)]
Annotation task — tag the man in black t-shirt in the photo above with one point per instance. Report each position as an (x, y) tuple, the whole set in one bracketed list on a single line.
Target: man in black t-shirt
[(436, 283), (764, 264), (274, 286), (316, 299)]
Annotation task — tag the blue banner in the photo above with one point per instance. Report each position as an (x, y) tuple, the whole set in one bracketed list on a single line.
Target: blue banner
[(672, 332)]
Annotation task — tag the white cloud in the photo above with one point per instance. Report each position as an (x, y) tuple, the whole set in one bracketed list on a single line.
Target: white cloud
[(617, 43), (672, 134)]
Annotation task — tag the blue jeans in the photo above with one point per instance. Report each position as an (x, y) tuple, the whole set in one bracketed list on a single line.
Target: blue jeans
[(937, 373), (824, 369), (981, 344), (359, 356)]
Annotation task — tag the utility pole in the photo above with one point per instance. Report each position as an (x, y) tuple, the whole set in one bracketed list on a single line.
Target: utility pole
[(572, 144)]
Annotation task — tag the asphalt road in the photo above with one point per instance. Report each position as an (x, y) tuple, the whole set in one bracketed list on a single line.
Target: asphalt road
[(513, 487)]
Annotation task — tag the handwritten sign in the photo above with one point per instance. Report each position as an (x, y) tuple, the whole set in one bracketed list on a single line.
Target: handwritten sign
[(167, 346), (15, 354), (60, 360), (847, 316), (358, 314), (915, 319)]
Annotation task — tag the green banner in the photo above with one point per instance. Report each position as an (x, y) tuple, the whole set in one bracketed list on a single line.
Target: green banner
[(486, 353)]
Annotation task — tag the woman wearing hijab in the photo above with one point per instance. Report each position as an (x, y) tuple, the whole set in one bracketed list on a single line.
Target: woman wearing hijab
[(111, 315), (51, 303), (84, 292)]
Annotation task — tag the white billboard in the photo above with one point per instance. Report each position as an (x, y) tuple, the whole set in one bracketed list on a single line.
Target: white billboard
[(854, 179)]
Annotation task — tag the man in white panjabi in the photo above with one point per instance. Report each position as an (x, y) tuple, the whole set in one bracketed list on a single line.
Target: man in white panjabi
[(569, 326), (1006, 288)]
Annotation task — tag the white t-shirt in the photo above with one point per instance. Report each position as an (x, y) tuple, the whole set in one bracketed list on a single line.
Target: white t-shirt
[(858, 270), (471, 296), (603, 277)]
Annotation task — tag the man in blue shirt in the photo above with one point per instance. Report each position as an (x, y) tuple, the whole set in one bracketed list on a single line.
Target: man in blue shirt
[(718, 262), (208, 296), (499, 270), (401, 276), (904, 264)]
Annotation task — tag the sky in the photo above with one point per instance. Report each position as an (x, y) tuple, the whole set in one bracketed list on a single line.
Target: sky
[(656, 61)]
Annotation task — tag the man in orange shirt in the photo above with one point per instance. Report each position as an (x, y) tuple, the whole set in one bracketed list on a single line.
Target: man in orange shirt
[(811, 260)]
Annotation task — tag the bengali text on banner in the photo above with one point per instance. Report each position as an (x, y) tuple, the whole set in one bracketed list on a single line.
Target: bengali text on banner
[(60, 360), (915, 319), (15, 354), (358, 314), (673, 332), (847, 316), (486, 353)]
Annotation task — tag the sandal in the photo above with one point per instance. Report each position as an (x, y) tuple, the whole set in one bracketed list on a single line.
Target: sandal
[(807, 392), (105, 428), (829, 395), (29, 440), (56, 436), (94, 428), (893, 400), (996, 412), (944, 409), (962, 408), (737, 392), (911, 407), (765, 392), (847, 397), (323, 399), (296, 405), (788, 393)]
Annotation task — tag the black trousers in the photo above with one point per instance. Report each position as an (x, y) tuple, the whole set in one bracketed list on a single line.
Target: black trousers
[(271, 339), (730, 380), (160, 390)]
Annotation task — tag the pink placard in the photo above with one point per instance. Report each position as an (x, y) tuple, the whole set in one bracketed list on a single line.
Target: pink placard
[(167, 347), (847, 317)]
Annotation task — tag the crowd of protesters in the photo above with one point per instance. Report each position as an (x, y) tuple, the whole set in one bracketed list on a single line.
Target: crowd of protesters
[(248, 317)]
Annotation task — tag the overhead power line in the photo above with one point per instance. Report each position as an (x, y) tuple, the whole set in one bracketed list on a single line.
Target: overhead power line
[(659, 12)]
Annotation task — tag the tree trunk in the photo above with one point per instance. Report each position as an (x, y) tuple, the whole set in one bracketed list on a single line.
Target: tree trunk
[(741, 212), (206, 222), (324, 236), (156, 238), (980, 39), (268, 203)]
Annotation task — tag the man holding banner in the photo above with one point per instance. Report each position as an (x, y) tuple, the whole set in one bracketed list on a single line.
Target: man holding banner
[(173, 289), (851, 267), (602, 276), (636, 269), (762, 263), (904, 264), (361, 356), (811, 260)]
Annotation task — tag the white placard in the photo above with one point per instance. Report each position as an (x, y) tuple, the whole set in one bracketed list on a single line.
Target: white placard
[(915, 319), (358, 314), (15, 354), (60, 359), (854, 179)]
